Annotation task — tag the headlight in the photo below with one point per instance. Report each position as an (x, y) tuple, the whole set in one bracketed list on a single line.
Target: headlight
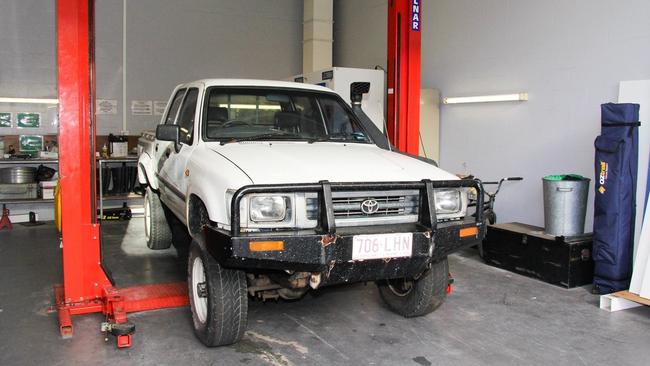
[(267, 208), (448, 201)]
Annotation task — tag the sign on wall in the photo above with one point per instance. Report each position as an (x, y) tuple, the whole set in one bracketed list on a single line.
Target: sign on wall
[(28, 120), (5, 119), (30, 143), (141, 107), (106, 106)]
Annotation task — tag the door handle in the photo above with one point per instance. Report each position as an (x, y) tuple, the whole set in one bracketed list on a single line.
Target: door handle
[(156, 147), (167, 153)]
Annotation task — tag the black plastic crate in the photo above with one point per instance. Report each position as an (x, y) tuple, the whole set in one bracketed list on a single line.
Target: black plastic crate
[(527, 250)]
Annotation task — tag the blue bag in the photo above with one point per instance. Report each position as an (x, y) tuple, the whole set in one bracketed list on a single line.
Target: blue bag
[(615, 197)]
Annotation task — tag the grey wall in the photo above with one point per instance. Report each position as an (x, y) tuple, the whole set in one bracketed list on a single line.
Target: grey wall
[(568, 55), (28, 60), (360, 33), (168, 42)]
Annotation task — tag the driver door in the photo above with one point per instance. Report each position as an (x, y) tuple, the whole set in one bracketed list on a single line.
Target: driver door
[(174, 168)]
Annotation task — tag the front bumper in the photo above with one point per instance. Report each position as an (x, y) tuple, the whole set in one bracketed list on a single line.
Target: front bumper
[(328, 251)]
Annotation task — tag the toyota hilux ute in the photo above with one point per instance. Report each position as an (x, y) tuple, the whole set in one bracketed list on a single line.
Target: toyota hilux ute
[(283, 187)]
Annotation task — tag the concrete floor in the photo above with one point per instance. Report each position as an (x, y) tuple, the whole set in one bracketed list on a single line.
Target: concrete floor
[(493, 317)]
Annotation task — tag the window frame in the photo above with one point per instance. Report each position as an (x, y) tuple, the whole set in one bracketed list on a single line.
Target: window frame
[(234, 88), (178, 114), (171, 105)]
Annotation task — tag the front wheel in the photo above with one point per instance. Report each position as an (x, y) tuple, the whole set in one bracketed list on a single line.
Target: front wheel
[(156, 227), (218, 299), (418, 296)]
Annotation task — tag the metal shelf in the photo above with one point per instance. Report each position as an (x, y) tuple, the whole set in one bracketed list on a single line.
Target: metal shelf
[(127, 159), (129, 196), (28, 161), (27, 200), (50, 200)]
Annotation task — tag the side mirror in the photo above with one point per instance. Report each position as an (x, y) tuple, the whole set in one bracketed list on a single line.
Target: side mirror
[(169, 133)]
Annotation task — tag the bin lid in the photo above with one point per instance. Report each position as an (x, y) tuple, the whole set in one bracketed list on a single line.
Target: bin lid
[(565, 177)]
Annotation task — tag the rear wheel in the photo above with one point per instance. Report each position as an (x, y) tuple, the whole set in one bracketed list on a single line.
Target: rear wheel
[(417, 296), (156, 227), (218, 299)]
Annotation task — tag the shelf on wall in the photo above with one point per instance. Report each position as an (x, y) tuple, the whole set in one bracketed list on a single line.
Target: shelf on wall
[(50, 200), (26, 200), (28, 161), (123, 197)]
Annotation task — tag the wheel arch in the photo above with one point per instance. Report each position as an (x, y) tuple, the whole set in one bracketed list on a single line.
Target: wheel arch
[(145, 171), (197, 213)]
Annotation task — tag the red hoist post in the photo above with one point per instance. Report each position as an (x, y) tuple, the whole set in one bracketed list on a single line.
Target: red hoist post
[(86, 287), (404, 78), (404, 64)]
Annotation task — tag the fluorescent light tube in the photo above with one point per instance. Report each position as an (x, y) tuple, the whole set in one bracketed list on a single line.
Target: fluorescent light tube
[(29, 100), (487, 98), (251, 106)]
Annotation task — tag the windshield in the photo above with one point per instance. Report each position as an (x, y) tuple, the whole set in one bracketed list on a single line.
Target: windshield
[(278, 114)]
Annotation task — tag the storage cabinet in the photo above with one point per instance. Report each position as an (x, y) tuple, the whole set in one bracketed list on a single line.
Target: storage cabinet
[(527, 250)]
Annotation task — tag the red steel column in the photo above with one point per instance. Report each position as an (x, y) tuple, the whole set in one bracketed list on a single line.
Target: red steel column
[(404, 73), (83, 277)]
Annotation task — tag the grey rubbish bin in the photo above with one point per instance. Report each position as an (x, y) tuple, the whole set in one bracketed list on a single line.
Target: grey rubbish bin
[(565, 204)]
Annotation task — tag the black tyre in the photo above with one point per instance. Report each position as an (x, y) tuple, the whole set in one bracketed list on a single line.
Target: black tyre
[(218, 299), (156, 227), (416, 297), (491, 217)]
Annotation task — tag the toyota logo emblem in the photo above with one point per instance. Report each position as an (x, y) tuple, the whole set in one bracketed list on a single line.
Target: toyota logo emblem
[(369, 206)]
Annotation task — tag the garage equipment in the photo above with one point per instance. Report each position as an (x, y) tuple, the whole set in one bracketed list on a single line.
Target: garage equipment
[(615, 197), (5, 223), (404, 58), (491, 197), (86, 287), (18, 191), (565, 204), (340, 79), (19, 174), (525, 249)]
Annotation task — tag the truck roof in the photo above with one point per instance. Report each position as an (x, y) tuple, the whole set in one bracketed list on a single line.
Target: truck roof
[(259, 82)]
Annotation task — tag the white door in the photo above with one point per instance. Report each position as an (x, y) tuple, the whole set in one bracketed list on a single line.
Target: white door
[(174, 169), (163, 149)]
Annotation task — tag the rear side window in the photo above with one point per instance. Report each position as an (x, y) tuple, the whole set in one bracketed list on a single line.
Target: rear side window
[(173, 109), (186, 116)]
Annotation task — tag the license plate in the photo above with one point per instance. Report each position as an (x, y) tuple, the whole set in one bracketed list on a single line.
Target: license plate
[(382, 246)]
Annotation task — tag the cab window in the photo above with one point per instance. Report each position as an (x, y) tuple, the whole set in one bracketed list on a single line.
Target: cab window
[(186, 116), (173, 109)]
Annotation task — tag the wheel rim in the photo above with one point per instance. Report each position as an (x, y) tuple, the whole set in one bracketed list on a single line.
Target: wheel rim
[(400, 287), (199, 294), (147, 217)]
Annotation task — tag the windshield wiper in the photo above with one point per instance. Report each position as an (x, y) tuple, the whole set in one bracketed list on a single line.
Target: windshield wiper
[(318, 139), (262, 136)]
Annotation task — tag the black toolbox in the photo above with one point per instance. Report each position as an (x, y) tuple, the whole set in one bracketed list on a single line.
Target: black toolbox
[(527, 250)]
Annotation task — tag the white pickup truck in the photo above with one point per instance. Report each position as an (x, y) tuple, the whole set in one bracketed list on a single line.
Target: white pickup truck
[(283, 187)]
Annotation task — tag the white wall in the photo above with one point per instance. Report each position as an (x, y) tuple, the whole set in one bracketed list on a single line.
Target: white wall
[(28, 60), (168, 42), (568, 55), (360, 33), (171, 41)]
